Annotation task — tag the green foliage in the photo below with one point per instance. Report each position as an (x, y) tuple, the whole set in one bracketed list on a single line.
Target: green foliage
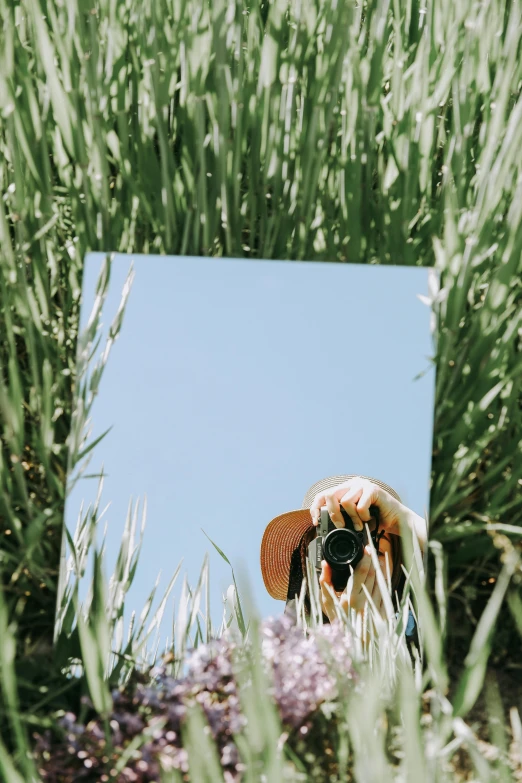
[(378, 726), (379, 132)]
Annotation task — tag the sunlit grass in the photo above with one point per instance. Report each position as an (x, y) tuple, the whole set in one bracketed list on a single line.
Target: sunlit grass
[(384, 703), (378, 132)]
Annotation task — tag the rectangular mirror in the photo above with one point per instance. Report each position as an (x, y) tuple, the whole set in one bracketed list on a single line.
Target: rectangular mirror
[(236, 385)]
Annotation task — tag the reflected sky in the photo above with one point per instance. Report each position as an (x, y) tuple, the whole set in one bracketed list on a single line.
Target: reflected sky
[(235, 385)]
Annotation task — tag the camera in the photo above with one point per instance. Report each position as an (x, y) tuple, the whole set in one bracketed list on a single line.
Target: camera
[(341, 547)]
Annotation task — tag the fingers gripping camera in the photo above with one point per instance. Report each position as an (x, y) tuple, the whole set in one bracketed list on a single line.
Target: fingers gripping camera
[(341, 547)]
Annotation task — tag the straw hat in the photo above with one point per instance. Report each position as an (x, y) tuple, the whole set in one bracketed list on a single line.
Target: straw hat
[(283, 534)]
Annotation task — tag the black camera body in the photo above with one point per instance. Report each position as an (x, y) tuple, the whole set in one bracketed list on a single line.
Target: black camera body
[(341, 547)]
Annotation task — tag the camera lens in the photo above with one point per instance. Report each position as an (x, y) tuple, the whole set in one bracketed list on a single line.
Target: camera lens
[(341, 547)]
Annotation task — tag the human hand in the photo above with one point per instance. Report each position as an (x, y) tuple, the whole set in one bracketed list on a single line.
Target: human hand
[(353, 596), (356, 495)]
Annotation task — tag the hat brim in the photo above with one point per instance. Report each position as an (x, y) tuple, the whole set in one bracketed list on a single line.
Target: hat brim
[(280, 539)]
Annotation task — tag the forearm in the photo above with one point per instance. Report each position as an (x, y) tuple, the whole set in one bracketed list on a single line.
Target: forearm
[(415, 524)]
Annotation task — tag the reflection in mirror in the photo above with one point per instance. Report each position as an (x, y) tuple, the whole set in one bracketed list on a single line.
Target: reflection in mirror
[(233, 390)]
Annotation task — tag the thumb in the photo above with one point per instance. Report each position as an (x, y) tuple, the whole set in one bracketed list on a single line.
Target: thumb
[(325, 581), (326, 573)]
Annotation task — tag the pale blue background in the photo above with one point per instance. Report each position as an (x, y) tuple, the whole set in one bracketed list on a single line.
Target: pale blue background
[(235, 385)]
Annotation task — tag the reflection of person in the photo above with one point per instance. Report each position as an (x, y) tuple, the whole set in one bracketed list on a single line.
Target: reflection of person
[(285, 542)]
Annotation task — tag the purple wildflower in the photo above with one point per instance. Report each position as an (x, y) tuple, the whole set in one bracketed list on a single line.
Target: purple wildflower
[(302, 678)]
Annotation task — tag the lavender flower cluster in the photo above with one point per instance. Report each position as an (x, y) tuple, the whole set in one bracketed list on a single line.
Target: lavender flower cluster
[(303, 677), (155, 709)]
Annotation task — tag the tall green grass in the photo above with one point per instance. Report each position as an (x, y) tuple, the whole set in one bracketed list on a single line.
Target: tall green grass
[(373, 732), (373, 132), (383, 728), (379, 132)]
